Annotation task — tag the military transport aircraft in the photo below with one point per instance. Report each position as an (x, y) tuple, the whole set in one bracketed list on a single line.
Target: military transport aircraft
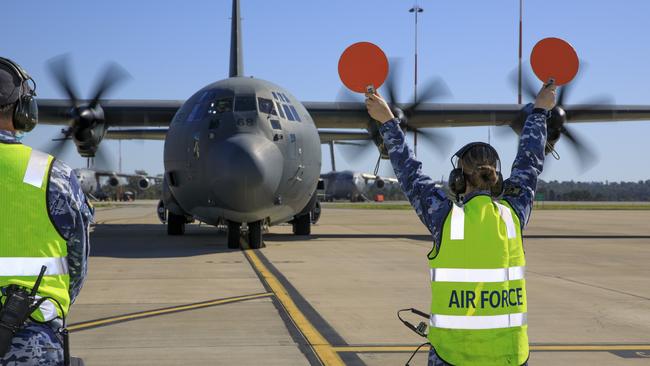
[(245, 150), (352, 186), (90, 180)]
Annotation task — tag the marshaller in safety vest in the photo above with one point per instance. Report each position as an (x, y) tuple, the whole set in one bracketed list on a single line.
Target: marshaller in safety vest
[(478, 306)]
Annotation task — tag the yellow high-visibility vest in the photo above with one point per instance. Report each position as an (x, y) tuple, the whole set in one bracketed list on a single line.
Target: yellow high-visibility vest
[(28, 238), (478, 306)]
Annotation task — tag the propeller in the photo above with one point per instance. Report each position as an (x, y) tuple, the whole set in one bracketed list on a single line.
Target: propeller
[(557, 122), (87, 125), (432, 90)]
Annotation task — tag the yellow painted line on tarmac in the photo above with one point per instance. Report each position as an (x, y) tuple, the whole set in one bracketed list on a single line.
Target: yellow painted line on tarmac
[(550, 347), (173, 309), (324, 351)]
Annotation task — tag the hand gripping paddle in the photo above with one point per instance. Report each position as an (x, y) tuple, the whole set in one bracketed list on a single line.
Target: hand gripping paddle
[(363, 65), (554, 58)]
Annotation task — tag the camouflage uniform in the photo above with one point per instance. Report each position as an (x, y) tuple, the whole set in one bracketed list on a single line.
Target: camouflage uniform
[(38, 344), (432, 204)]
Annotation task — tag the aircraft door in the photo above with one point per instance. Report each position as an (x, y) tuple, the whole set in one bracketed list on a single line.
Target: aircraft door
[(296, 155)]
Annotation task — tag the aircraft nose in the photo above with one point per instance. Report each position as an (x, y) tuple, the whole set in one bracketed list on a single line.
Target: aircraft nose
[(247, 172)]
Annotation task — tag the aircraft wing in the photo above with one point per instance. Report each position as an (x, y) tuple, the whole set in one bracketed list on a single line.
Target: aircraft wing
[(354, 114), (132, 113), (346, 115), (159, 134), (136, 134)]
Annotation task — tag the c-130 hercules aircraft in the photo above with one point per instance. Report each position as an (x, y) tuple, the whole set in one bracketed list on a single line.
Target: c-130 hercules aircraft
[(245, 150)]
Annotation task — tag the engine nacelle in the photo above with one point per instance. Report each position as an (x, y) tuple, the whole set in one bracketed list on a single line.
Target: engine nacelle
[(88, 138), (144, 183), (113, 181), (379, 183)]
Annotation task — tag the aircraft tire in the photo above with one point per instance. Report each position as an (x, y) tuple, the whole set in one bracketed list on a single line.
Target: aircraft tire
[(302, 225), (234, 231), (175, 224), (255, 237)]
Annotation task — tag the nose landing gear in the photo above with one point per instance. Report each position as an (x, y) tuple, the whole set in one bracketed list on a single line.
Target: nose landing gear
[(254, 234)]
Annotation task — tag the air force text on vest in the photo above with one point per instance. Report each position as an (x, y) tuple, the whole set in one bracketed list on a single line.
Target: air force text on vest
[(486, 298)]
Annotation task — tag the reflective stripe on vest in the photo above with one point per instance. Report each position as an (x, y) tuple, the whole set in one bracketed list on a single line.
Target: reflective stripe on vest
[(476, 275), (31, 266), (506, 215), (48, 309), (458, 221), (478, 322), (36, 168)]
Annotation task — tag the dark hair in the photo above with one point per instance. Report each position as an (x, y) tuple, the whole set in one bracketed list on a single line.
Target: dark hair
[(479, 165), (7, 111)]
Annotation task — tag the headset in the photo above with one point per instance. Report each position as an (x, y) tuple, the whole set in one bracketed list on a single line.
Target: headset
[(26, 110), (457, 183)]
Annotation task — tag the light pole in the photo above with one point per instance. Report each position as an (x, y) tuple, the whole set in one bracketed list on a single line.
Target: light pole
[(415, 10), (521, 6)]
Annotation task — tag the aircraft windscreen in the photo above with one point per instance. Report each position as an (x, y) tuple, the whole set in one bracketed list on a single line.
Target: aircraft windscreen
[(266, 106), (245, 104), (221, 106)]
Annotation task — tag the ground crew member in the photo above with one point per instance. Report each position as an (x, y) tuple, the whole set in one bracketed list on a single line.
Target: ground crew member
[(45, 219), (478, 307)]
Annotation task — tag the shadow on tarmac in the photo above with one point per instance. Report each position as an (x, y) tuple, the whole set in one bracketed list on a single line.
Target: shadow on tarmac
[(152, 241)]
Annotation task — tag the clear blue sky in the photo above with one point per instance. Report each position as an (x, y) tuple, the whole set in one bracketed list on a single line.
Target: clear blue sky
[(173, 49)]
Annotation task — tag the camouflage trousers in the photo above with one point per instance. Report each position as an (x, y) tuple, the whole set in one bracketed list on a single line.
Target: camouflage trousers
[(34, 345), (434, 360)]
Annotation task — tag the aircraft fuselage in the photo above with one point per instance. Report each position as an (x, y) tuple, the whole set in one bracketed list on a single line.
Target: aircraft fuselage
[(243, 150)]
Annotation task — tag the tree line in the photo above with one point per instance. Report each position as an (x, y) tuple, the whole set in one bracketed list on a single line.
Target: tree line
[(593, 191)]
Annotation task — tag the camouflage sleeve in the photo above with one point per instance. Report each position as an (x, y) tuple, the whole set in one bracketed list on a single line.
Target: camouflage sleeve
[(430, 202), (71, 214), (519, 189)]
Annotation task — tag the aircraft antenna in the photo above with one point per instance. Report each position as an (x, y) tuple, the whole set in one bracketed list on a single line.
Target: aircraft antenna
[(236, 57)]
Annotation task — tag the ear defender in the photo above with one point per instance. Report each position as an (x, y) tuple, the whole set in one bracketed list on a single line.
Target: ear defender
[(25, 116), (457, 181)]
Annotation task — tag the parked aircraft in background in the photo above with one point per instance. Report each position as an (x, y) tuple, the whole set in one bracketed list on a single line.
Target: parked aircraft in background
[(91, 181), (353, 186)]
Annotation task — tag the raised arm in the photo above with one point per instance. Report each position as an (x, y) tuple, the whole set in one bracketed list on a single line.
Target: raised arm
[(430, 202), (521, 186)]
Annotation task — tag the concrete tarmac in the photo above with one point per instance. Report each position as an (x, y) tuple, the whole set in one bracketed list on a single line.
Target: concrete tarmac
[(151, 299)]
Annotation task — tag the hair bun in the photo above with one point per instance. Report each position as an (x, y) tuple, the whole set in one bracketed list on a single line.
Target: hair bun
[(487, 174)]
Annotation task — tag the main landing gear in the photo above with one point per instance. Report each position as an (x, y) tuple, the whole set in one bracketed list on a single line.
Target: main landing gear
[(254, 234), (302, 224), (175, 224)]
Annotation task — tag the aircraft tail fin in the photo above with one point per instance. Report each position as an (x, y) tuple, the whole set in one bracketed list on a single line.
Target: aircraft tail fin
[(236, 52)]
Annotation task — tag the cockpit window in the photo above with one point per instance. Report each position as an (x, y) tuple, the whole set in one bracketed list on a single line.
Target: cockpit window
[(275, 96), (245, 104), (200, 107), (198, 112), (280, 110), (295, 113), (287, 111), (221, 106), (266, 106)]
